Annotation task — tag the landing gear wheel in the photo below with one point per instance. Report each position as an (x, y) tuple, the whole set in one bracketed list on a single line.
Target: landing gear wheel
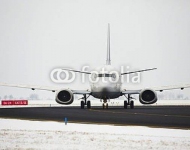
[(132, 104), (82, 104), (88, 104), (103, 106), (125, 104), (107, 106)]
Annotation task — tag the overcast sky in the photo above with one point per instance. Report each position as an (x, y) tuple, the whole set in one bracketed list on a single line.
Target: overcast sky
[(37, 36)]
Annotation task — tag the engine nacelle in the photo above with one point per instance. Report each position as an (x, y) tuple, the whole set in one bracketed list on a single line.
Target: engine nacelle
[(148, 96), (64, 97)]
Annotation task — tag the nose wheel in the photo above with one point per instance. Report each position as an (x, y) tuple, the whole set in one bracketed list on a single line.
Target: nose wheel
[(105, 104)]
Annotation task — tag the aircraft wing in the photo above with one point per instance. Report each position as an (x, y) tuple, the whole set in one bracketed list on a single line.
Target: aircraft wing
[(46, 88), (81, 91), (162, 88), (130, 92), (138, 71), (173, 87), (33, 87)]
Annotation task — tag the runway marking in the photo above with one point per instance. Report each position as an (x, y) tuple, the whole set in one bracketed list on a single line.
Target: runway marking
[(162, 115)]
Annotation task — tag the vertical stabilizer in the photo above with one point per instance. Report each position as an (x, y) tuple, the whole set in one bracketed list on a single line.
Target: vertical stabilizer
[(108, 61)]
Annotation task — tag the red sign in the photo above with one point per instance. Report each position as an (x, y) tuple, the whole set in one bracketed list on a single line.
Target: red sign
[(14, 102)]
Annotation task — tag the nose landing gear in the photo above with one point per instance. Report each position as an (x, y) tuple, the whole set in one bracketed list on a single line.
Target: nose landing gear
[(105, 104)]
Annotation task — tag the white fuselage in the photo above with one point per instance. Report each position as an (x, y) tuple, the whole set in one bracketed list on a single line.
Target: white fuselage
[(105, 82)]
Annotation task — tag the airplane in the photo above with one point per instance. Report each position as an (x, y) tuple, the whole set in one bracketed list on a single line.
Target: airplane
[(105, 85)]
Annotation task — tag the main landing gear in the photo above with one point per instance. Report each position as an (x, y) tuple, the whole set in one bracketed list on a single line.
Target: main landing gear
[(129, 102), (85, 102)]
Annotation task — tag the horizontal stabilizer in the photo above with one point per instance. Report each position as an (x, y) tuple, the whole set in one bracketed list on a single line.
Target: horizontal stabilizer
[(77, 71), (138, 71)]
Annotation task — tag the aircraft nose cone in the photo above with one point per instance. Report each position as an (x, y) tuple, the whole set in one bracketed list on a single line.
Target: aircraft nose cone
[(105, 89)]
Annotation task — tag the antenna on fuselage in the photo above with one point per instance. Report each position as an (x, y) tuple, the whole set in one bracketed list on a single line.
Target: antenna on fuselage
[(108, 61)]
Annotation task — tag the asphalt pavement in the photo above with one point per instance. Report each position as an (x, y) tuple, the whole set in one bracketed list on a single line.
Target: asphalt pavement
[(152, 116)]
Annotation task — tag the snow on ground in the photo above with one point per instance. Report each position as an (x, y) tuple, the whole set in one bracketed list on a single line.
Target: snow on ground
[(22, 134)]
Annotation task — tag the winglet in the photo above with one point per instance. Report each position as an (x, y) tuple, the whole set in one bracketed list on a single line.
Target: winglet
[(108, 61)]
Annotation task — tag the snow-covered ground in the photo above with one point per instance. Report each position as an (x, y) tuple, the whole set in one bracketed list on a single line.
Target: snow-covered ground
[(22, 134)]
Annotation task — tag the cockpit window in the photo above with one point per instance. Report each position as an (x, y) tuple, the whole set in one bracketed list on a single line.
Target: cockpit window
[(100, 75), (107, 75)]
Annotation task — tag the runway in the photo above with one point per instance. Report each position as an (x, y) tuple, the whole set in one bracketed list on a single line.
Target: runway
[(153, 116)]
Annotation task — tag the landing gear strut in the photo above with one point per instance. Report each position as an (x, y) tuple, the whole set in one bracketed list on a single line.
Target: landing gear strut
[(85, 102), (129, 102)]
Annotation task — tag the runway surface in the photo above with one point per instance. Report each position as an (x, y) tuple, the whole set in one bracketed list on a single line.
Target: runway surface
[(154, 116)]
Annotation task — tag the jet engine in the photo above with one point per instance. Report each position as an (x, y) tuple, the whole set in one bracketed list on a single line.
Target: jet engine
[(148, 96), (64, 97)]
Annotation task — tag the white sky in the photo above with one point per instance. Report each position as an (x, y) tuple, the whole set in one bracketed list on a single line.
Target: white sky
[(38, 36)]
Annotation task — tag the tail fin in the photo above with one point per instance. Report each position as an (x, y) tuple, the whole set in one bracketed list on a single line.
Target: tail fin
[(108, 61)]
